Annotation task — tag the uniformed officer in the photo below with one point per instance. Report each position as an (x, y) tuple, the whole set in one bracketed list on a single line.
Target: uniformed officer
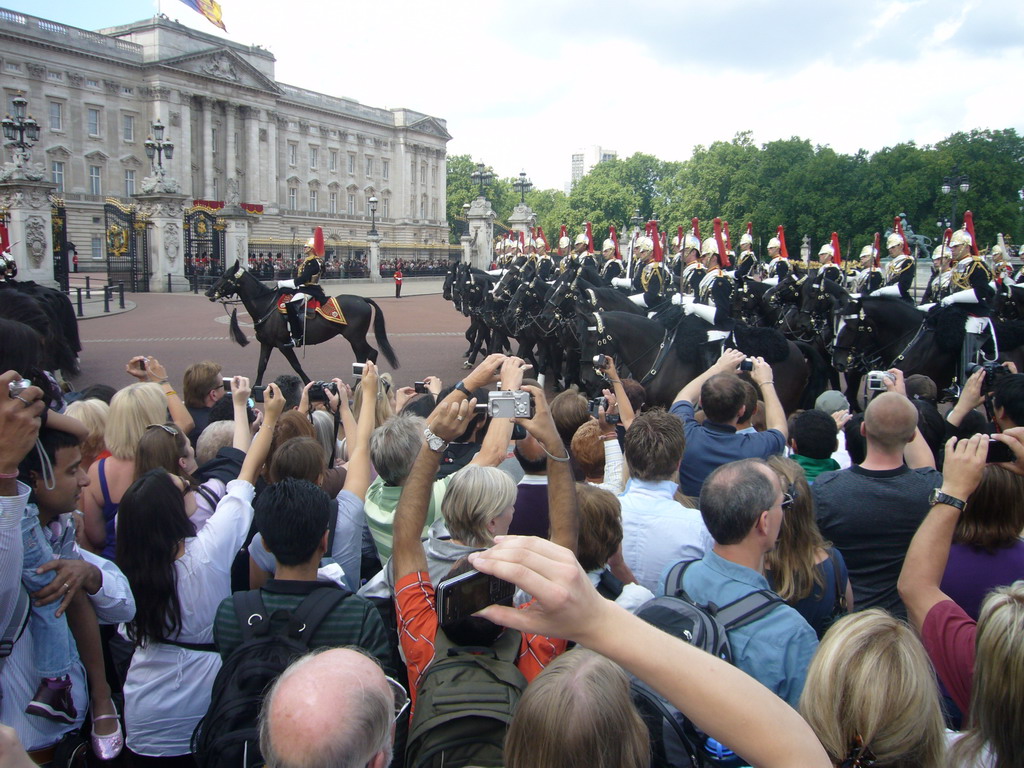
[(545, 265), (713, 301), (779, 266), (939, 284), (611, 268), (692, 268), (902, 268), (747, 262), (306, 283), (651, 279), (868, 277), (8, 266), (827, 255)]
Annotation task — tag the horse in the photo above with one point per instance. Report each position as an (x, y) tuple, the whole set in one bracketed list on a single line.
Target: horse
[(758, 304), (62, 344), (523, 317), (821, 302), (271, 327), (658, 360)]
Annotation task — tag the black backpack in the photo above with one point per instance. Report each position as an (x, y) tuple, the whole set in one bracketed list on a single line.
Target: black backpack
[(675, 741), (464, 704), (228, 736)]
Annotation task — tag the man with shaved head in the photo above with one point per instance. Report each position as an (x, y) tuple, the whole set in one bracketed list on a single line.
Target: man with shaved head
[(871, 511), (333, 709)]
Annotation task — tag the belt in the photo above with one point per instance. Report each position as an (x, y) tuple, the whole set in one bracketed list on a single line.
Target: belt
[(44, 755)]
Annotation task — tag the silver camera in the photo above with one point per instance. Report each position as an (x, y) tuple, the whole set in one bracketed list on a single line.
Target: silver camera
[(876, 380), (17, 387), (510, 405)]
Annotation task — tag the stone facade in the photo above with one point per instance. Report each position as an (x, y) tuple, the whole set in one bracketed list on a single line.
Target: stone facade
[(310, 159)]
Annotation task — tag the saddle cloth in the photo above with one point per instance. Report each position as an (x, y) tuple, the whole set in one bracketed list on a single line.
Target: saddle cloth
[(331, 311)]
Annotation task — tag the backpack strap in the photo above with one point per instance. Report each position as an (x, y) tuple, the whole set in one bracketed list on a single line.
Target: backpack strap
[(609, 586), (747, 609), (313, 610), (103, 482), (250, 611), (840, 601), (505, 648), (674, 579)]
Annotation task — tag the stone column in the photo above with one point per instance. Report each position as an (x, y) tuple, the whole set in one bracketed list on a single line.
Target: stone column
[(522, 219), (30, 228), (236, 235), (230, 162), (252, 156), (467, 252), (207, 148), (481, 233), (164, 213), (181, 133), (373, 260)]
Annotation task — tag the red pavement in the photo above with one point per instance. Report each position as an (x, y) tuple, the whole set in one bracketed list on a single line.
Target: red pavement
[(179, 329)]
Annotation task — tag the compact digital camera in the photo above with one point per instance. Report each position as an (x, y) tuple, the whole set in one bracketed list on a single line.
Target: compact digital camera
[(510, 405)]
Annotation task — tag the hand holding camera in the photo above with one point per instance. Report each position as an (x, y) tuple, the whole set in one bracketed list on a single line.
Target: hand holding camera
[(541, 425), (146, 369), (880, 381), (368, 378), (274, 404), (239, 389), (449, 418), (20, 407), (485, 374)]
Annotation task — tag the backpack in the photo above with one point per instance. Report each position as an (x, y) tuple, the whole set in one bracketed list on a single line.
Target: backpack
[(464, 704), (675, 741), (609, 586), (228, 736)]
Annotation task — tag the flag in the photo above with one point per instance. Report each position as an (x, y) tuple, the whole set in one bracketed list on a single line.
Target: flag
[(210, 9)]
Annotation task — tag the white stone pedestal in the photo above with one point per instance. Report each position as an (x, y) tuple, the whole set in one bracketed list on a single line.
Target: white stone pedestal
[(30, 228), (164, 215), (523, 219), (236, 235), (481, 233), (373, 259)]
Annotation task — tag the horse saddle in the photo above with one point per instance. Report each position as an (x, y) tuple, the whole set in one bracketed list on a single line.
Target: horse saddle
[(330, 311)]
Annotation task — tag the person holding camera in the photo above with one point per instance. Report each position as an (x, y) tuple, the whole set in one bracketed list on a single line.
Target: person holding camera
[(871, 511), (1000, 389), (716, 441)]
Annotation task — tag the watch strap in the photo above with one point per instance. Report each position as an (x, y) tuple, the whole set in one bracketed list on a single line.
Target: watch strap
[(938, 497), (435, 443), (461, 387)]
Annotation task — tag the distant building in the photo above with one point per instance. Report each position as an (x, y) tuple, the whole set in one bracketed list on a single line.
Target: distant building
[(308, 158), (585, 159)]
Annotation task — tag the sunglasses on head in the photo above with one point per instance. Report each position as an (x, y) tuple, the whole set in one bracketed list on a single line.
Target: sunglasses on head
[(169, 430)]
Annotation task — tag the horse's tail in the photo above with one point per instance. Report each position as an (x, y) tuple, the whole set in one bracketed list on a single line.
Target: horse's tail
[(237, 335), (817, 381), (381, 335)]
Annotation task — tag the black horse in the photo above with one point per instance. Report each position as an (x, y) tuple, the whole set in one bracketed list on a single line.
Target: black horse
[(272, 330), (653, 353), (822, 303)]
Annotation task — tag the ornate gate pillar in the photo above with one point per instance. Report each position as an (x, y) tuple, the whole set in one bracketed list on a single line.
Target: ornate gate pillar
[(27, 204), (163, 214)]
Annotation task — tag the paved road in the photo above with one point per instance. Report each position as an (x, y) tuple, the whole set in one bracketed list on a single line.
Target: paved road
[(179, 329)]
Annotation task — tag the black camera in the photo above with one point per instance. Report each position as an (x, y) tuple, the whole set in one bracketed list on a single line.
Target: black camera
[(461, 596), (319, 389), (747, 365), (602, 402), (257, 393), (420, 387), (600, 362), (993, 373)]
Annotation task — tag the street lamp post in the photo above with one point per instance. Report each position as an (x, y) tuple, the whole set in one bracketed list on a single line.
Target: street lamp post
[(373, 216), (21, 132), (482, 176), (157, 148), (943, 224), (954, 183), (522, 186)]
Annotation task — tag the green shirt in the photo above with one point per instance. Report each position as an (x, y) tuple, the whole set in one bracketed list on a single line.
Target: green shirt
[(353, 621), (814, 467), (380, 506)]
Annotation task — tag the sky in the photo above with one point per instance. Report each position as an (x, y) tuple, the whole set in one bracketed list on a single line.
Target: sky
[(525, 83)]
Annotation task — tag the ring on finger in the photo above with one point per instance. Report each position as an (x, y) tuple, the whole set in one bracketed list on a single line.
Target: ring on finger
[(67, 587), (19, 397)]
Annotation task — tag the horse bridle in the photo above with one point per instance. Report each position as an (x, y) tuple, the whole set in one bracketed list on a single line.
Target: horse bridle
[(874, 361)]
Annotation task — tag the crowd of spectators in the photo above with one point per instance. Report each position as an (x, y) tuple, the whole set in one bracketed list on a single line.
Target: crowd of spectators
[(886, 547)]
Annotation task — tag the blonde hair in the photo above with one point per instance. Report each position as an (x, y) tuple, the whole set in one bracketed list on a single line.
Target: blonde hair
[(382, 411), (871, 687), (578, 713), (792, 562), (475, 496), (93, 414), (997, 707), (132, 409)]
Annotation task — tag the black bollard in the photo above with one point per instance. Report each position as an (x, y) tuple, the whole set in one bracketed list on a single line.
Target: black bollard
[(79, 290), (88, 289), (106, 298), (120, 290), (169, 288)]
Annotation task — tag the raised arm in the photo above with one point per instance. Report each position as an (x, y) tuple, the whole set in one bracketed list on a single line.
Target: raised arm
[(764, 380), (357, 479), (147, 369), (407, 554), (721, 700), (563, 514), (240, 391), (494, 447), (729, 362), (257, 455), (622, 401)]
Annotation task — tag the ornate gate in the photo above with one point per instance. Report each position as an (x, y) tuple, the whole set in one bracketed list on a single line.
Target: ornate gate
[(59, 218), (127, 246), (204, 242)]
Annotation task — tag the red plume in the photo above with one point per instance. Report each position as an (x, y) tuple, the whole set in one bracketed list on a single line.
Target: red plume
[(876, 245), (5, 239), (533, 233), (615, 239), (782, 242), (723, 257), (318, 242), (750, 228), (898, 228), (540, 235), (947, 237), (680, 235), (695, 223), (659, 255), (590, 239), (836, 253), (969, 224), (728, 241), (522, 241), (562, 232)]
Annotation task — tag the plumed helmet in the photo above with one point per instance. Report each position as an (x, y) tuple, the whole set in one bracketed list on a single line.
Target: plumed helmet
[(997, 250), (691, 241), (894, 240), (542, 241), (644, 243), (581, 239), (613, 237), (827, 249), (608, 245), (679, 239), (942, 251), (867, 250), (774, 243), (961, 237), (969, 226), (5, 239), (316, 242), (564, 242), (709, 247), (747, 238)]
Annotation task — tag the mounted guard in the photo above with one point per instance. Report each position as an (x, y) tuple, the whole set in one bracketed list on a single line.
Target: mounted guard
[(713, 301), (612, 266), (305, 284), (827, 257), (747, 262), (902, 269)]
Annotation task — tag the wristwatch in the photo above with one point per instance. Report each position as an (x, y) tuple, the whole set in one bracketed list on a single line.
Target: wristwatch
[(938, 497), (461, 387), (434, 443)]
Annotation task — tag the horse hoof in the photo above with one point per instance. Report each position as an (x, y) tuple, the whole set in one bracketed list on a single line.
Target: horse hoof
[(467, 364)]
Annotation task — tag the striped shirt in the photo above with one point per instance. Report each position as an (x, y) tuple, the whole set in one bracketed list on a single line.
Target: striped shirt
[(417, 627)]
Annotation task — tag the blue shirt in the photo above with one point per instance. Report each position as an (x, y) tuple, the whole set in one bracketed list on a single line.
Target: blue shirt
[(775, 650), (710, 445), (658, 531)]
